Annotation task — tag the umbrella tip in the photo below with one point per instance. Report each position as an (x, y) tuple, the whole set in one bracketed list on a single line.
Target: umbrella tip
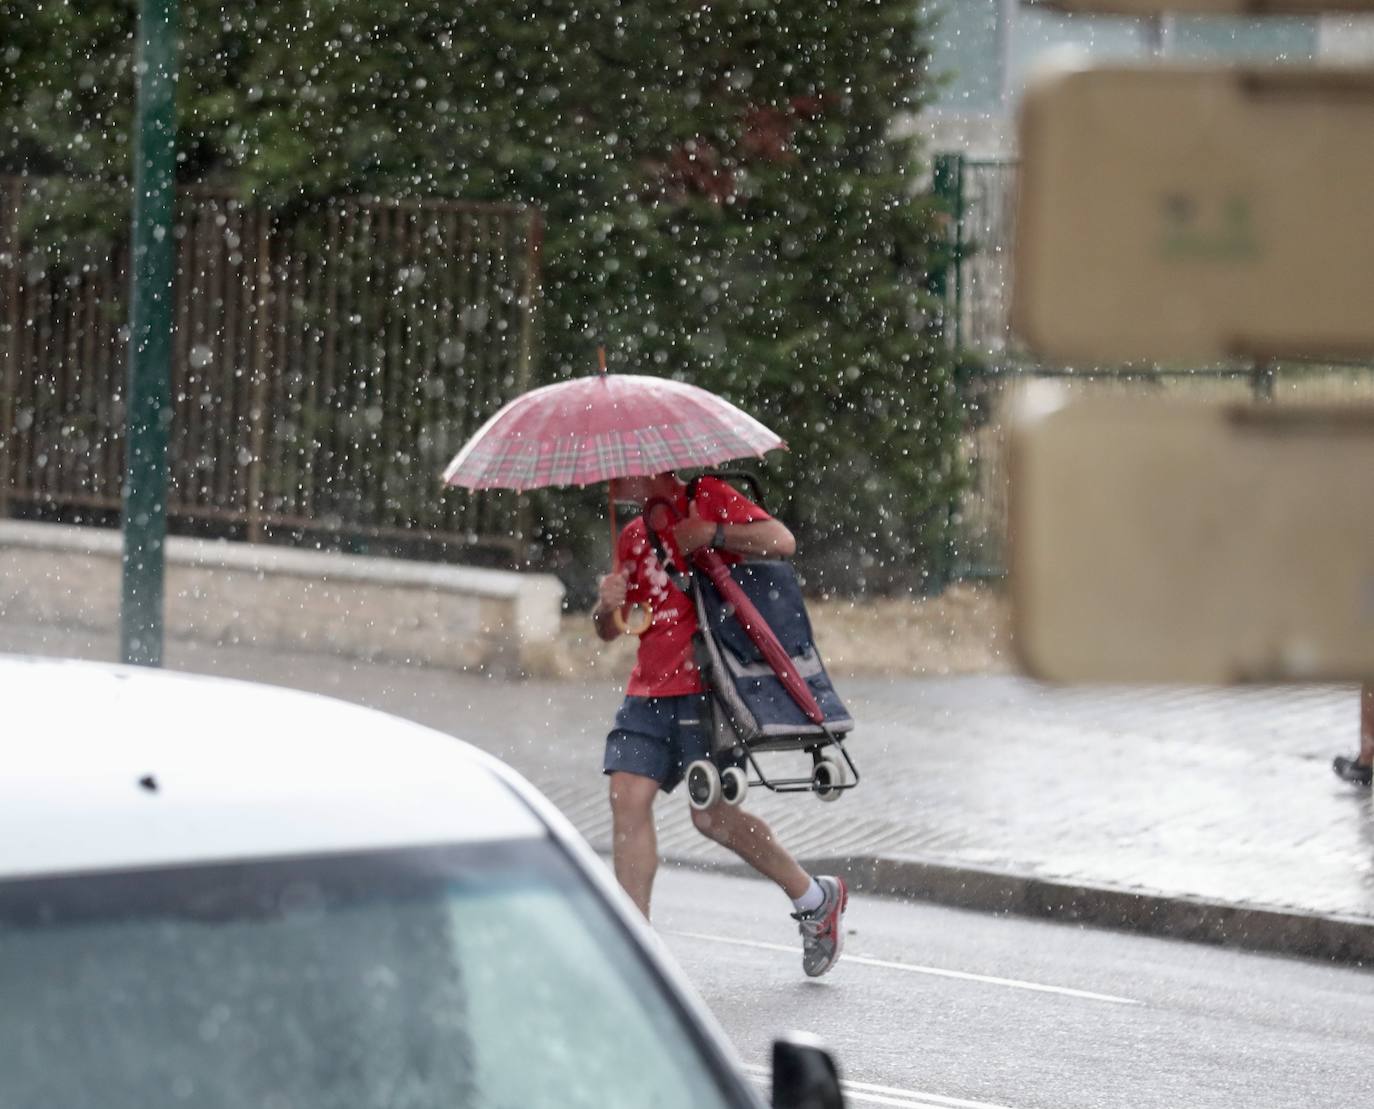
[(601, 358)]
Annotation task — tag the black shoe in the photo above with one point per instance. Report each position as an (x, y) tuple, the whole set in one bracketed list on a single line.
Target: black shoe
[(1350, 770)]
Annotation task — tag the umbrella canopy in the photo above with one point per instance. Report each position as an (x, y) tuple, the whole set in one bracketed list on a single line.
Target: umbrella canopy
[(607, 426)]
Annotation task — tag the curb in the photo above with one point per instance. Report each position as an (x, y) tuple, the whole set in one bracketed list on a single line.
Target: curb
[(1338, 939)]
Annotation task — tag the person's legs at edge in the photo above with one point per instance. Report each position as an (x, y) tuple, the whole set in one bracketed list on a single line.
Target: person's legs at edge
[(1367, 725), (820, 902), (1360, 769), (634, 843)]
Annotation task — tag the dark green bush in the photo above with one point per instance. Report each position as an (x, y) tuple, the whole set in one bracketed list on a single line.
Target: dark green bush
[(729, 192)]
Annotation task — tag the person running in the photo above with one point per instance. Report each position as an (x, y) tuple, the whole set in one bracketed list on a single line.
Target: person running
[(661, 728), (1360, 769)]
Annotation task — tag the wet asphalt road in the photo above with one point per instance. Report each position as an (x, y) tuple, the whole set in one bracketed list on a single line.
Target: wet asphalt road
[(1035, 1016)]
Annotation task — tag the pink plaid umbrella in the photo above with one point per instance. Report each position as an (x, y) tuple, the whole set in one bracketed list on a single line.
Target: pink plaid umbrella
[(608, 426)]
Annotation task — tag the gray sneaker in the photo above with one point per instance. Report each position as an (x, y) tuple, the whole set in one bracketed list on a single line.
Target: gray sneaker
[(822, 930)]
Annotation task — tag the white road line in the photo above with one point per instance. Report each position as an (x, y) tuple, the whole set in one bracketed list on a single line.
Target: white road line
[(913, 968), (889, 1095)]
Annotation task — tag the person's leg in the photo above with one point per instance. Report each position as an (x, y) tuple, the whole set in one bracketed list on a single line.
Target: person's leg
[(743, 833), (1360, 769), (638, 761), (820, 902), (634, 843), (1367, 725), (753, 841)]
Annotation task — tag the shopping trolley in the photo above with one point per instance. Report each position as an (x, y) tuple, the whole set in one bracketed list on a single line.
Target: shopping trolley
[(768, 688)]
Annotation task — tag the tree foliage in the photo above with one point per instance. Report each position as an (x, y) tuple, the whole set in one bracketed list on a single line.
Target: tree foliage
[(729, 196)]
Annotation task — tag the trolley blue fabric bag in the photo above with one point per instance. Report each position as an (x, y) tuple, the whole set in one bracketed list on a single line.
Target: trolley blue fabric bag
[(758, 708)]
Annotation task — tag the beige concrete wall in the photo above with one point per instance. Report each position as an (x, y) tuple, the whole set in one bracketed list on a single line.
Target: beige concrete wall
[(232, 593)]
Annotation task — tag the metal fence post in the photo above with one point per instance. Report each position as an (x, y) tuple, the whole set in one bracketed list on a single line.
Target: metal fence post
[(150, 337), (258, 398), (534, 247), (10, 316), (948, 186)]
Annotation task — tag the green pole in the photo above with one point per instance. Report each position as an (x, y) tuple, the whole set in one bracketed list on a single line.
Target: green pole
[(149, 403)]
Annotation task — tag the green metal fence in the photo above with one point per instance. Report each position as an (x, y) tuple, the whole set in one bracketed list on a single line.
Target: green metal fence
[(324, 368), (979, 198)]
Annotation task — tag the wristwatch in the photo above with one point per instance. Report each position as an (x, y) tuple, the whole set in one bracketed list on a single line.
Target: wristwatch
[(718, 539)]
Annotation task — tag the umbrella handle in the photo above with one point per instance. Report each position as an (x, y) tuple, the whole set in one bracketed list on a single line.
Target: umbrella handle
[(641, 622)]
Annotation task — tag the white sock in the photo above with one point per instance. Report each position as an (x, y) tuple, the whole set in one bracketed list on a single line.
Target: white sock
[(811, 900)]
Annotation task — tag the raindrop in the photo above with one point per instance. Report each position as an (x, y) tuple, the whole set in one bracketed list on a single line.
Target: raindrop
[(474, 317)]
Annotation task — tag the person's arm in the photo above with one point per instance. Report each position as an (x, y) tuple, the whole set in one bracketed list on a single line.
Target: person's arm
[(610, 595), (761, 539), (758, 539)]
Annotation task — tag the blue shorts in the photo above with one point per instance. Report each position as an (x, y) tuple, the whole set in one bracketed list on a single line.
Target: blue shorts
[(658, 737)]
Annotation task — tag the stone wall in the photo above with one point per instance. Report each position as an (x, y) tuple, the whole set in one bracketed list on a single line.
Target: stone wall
[(236, 593)]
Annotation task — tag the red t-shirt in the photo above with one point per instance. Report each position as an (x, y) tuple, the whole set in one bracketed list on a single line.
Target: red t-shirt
[(666, 665)]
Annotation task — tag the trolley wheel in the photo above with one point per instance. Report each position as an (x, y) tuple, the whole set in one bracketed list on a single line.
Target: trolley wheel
[(703, 784), (827, 776), (734, 784)]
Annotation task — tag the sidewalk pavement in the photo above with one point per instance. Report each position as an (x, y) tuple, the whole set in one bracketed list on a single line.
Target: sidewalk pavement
[(1204, 814)]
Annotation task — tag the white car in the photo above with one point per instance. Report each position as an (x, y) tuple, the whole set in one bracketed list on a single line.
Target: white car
[(225, 895)]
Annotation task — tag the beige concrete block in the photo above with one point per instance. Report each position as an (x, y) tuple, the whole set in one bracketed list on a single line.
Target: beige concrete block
[(224, 593)]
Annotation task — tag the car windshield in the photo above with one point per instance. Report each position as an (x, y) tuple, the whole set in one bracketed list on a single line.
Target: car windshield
[(487, 976)]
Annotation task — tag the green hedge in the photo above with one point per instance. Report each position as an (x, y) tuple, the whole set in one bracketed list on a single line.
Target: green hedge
[(727, 196)]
